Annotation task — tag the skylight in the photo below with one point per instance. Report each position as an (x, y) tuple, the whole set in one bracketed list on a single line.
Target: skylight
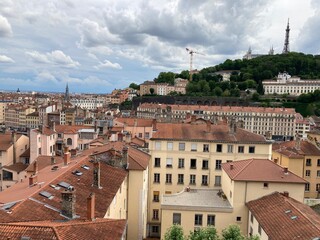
[(77, 172), (64, 185), (46, 194), (288, 211), (86, 167), (294, 217)]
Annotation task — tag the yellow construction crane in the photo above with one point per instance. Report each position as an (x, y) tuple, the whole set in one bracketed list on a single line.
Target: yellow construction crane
[(191, 52)]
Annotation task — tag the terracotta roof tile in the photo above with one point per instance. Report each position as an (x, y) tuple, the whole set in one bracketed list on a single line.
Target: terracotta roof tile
[(285, 218), (138, 122), (71, 129), (218, 133), (289, 148), (6, 140), (260, 170), (17, 167), (43, 161), (138, 160)]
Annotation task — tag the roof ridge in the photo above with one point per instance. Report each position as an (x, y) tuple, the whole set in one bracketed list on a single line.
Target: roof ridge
[(249, 162)]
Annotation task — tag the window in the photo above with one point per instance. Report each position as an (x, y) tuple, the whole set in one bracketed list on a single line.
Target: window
[(219, 148), (155, 215), (169, 162), (318, 162), (158, 145), (259, 229), (251, 218), (318, 187), (147, 135), (204, 180), (218, 164), (39, 151), (193, 147), (265, 185), (193, 163), (205, 164), (168, 178), (181, 163), (169, 145), (182, 146), (238, 219), (206, 147), (240, 149), (217, 180), (318, 173), (230, 148), (156, 178), (180, 178), (211, 220), (307, 187), (140, 135), (157, 162), (156, 196), (176, 218), (198, 219), (308, 173), (59, 135), (69, 141), (308, 162), (251, 149), (192, 179), (155, 229)]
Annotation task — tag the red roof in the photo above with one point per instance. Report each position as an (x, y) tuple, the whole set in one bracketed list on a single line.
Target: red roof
[(259, 170), (290, 149), (285, 218)]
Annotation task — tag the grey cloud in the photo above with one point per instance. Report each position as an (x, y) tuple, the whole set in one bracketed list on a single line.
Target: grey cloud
[(5, 59), (5, 27)]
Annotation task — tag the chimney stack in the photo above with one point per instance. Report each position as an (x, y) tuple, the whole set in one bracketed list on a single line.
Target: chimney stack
[(188, 115), (68, 203), (53, 160), (125, 156), (285, 169), (154, 125), (33, 179), (208, 126), (35, 167), (96, 174), (193, 118), (91, 205), (231, 166), (232, 126), (286, 193), (14, 142), (298, 142), (66, 156)]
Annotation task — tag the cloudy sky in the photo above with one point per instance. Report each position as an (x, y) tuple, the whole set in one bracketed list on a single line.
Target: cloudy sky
[(100, 45)]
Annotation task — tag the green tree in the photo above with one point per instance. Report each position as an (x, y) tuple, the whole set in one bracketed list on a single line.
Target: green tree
[(233, 232), (165, 77), (208, 233), (218, 91), (260, 89), (255, 97), (175, 232), (151, 91), (134, 86)]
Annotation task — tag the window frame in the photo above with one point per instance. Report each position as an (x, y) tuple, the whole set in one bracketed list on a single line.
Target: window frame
[(198, 219)]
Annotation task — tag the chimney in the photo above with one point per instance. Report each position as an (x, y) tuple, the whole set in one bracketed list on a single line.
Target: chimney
[(40, 129), (232, 126), (35, 167), (125, 156), (208, 126), (53, 160), (68, 203), (286, 193), (53, 126), (285, 169), (193, 118), (268, 135), (231, 166), (188, 115), (154, 125), (298, 142), (95, 126), (135, 122), (91, 205), (96, 174), (33, 179), (66, 156), (14, 142)]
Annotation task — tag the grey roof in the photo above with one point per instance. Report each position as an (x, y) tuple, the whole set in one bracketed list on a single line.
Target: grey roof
[(196, 199)]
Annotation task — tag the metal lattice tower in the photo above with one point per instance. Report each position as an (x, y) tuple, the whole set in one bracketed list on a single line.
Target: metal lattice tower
[(286, 48)]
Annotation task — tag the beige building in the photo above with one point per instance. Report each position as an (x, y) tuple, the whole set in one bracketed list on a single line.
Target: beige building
[(192, 155), (164, 89), (3, 105), (302, 158), (16, 116), (242, 182), (32, 120)]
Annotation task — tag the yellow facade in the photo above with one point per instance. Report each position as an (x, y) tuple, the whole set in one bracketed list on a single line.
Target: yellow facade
[(201, 168)]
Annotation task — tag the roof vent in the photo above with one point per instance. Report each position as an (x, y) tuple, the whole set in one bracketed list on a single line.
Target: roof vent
[(288, 211), (25, 238), (64, 185), (77, 172), (294, 217), (86, 167), (46, 194)]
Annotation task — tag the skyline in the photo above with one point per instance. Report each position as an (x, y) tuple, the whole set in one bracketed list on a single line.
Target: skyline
[(102, 45)]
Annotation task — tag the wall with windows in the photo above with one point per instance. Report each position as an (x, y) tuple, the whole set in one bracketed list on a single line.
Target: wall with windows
[(254, 228), (175, 165)]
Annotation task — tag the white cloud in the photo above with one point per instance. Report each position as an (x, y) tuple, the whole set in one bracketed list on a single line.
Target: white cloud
[(56, 57), (5, 59), (5, 27), (108, 64)]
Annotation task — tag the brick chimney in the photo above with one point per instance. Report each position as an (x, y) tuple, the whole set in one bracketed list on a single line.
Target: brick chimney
[(298, 142), (286, 193), (33, 179), (285, 170), (66, 157), (193, 118), (188, 115), (91, 205), (96, 174), (232, 126), (35, 167), (231, 166), (68, 203), (14, 142), (154, 125), (208, 126), (124, 156)]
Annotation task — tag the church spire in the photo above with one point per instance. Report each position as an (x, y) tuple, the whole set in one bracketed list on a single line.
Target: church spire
[(286, 41), (66, 95)]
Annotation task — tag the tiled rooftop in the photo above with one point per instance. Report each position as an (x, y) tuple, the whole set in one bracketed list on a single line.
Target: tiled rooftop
[(218, 133), (289, 149), (6, 140), (284, 218), (260, 170)]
